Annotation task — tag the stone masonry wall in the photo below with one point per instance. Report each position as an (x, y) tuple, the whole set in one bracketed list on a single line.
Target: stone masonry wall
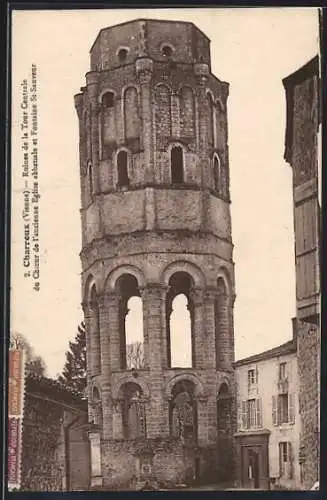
[(309, 401)]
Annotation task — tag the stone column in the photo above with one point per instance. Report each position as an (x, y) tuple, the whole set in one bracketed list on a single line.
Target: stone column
[(153, 298), (197, 315), (92, 90), (210, 328), (94, 329), (117, 419), (202, 72), (144, 70), (210, 363), (87, 320), (231, 301), (96, 471), (202, 412), (105, 366), (226, 337), (113, 301)]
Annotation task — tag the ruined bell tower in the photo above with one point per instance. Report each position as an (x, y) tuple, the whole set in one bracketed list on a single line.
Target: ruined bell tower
[(155, 210)]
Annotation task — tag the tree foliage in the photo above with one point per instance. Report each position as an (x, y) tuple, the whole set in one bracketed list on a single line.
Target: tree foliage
[(34, 364), (135, 355), (74, 373)]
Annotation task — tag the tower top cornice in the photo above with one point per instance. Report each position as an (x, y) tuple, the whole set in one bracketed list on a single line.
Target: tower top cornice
[(162, 40)]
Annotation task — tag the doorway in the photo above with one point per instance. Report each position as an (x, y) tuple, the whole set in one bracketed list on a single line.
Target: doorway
[(251, 467), (254, 468)]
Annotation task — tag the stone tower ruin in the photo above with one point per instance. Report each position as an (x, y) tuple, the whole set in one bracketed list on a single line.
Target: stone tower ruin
[(155, 211)]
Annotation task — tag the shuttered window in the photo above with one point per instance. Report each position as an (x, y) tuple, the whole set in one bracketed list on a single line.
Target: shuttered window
[(285, 460), (251, 414), (283, 409)]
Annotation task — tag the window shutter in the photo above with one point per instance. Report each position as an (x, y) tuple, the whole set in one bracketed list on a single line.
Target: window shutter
[(239, 416), (279, 410), (274, 410), (280, 447), (244, 419), (258, 413), (290, 460), (291, 413)]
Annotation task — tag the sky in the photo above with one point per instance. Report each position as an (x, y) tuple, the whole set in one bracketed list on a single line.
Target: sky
[(253, 49)]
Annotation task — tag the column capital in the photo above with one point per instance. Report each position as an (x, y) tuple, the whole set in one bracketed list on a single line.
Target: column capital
[(106, 297), (210, 294), (155, 290), (197, 296)]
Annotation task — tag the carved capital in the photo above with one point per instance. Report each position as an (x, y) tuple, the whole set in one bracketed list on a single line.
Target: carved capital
[(197, 296)]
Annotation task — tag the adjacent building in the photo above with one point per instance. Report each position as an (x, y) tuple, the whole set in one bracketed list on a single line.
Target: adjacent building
[(302, 153), (268, 426), (156, 226), (55, 447)]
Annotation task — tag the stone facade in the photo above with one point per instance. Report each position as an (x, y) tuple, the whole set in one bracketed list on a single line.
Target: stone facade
[(268, 418), (302, 153), (156, 223), (55, 448)]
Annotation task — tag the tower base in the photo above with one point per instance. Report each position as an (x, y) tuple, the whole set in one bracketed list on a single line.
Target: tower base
[(154, 464)]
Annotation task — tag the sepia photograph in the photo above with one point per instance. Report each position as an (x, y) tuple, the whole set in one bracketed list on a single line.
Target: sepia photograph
[(165, 249)]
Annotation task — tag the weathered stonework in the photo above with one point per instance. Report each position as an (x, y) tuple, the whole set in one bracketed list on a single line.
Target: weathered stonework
[(301, 152), (156, 208)]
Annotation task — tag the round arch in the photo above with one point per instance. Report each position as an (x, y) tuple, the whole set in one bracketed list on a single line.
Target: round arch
[(183, 266), (221, 392), (209, 93), (127, 379), (106, 91), (113, 276), (224, 274), (164, 85), (199, 389), (89, 284), (96, 393)]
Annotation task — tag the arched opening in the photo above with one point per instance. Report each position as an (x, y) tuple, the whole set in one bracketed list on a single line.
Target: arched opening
[(133, 411), (108, 100), (210, 118), (122, 55), (130, 324), (183, 411), (96, 394), (131, 114), (134, 334), (180, 322), (224, 432), (162, 111), (224, 408), (122, 169), (187, 112), (167, 51), (177, 165), (216, 172), (107, 123)]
